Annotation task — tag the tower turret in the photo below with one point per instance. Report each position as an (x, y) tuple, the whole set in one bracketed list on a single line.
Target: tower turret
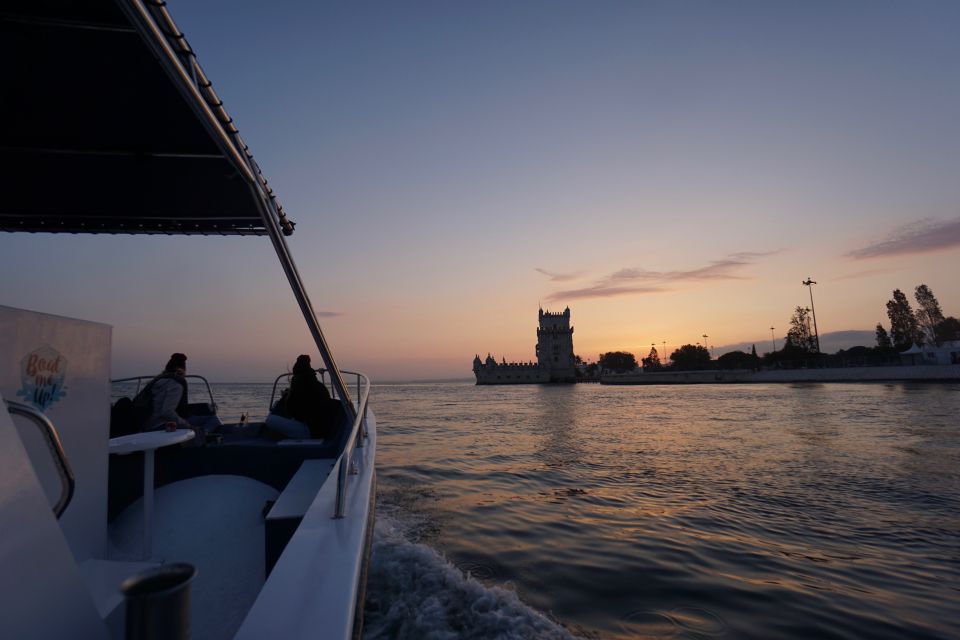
[(555, 345)]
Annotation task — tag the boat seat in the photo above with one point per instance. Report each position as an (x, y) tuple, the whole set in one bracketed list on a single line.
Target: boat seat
[(291, 442), (287, 512), (262, 460)]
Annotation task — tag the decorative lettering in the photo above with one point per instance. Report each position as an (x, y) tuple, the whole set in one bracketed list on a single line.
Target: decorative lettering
[(43, 374)]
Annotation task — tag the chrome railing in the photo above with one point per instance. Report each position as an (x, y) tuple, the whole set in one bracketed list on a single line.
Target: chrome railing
[(139, 380), (283, 376), (52, 439), (358, 432)]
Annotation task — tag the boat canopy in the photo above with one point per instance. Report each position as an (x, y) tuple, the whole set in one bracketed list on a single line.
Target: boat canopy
[(109, 125)]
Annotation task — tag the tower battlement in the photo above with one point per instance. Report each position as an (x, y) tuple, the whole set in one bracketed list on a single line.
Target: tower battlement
[(554, 351)]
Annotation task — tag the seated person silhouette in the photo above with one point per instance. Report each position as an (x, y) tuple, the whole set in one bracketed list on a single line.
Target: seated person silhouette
[(170, 409), (303, 409)]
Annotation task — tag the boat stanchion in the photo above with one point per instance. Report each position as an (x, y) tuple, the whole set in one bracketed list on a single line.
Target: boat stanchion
[(158, 603)]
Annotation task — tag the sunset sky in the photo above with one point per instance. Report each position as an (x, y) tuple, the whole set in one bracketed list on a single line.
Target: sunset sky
[(666, 169)]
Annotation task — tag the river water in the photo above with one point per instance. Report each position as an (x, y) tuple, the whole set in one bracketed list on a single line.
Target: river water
[(714, 511)]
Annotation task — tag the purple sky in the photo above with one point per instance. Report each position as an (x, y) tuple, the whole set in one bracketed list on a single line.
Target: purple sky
[(667, 169)]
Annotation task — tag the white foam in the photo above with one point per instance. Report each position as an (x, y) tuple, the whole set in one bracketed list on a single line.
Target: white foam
[(415, 593)]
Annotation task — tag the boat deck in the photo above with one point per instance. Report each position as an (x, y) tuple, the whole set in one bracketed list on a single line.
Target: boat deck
[(215, 523)]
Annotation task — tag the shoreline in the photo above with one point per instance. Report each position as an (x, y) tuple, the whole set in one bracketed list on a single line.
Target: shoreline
[(904, 373)]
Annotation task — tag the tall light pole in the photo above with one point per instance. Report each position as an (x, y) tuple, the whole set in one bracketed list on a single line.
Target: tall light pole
[(809, 284), (705, 336), (773, 340)]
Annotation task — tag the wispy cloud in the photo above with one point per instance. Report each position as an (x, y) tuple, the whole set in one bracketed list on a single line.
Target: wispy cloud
[(633, 281), (866, 273), (328, 314), (601, 292), (922, 236), (559, 277), (752, 255)]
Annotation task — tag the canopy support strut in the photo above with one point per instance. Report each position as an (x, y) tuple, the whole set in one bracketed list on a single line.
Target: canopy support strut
[(296, 284), (196, 89)]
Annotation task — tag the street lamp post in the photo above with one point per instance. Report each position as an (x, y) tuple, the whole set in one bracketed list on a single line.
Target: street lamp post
[(809, 284), (705, 336), (773, 340)]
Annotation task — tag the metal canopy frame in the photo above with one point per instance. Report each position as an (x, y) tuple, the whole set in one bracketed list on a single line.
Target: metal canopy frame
[(236, 183), (97, 137)]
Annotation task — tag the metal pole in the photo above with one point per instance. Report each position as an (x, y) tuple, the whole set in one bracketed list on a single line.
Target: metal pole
[(362, 431), (148, 472), (773, 340), (296, 284), (231, 144), (809, 283), (705, 336)]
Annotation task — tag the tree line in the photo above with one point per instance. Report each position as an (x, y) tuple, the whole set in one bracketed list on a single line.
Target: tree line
[(924, 326), (687, 357), (927, 325)]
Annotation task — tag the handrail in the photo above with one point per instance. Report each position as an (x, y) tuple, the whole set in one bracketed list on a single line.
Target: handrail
[(52, 439), (273, 392), (213, 402), (355, 439)]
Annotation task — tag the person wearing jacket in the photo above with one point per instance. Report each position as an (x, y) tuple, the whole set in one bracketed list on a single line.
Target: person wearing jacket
[(170, 405)]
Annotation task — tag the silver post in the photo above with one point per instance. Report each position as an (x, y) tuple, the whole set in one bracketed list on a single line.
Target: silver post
[(360, 432)]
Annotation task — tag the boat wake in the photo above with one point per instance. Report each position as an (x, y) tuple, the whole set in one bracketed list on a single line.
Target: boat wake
[(414, 592)]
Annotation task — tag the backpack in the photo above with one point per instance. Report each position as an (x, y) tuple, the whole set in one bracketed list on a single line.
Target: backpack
[(130, 416), (142, 405), (121, 418)]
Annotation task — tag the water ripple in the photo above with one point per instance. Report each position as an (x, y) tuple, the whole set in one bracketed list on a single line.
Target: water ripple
[(766, 511)]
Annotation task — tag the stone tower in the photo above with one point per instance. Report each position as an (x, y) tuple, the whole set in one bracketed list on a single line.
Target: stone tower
[(555, 345)]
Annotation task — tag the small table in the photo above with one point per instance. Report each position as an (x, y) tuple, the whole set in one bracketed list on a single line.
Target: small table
[(148, 442)]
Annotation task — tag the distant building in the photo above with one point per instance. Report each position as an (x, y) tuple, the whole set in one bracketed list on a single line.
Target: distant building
[(554, 356), (946, 353)]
